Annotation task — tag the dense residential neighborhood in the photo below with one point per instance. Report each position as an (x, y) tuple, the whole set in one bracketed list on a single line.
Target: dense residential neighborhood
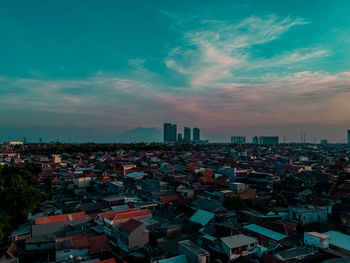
[(175, 203)]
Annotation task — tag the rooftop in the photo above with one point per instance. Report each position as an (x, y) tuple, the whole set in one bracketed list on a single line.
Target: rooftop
[(265, 232), (238, 240)]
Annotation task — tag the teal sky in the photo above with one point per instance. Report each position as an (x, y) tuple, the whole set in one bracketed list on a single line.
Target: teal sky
[(88, 70)]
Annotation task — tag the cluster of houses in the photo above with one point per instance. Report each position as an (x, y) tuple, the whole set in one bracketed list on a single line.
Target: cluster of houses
[(181, 206)]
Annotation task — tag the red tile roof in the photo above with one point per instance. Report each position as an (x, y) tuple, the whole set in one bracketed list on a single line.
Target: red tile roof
[(80, 242), (60, 218), (94, 243), (170, 198), (132, 214), (98, 244), (130, 225), (112, 260), (110, 215)]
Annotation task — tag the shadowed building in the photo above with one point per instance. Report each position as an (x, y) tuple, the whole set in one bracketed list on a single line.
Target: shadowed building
[(167, 132), (173, 133), (268, 140), (238, 139), (187, 134), (196, 135)]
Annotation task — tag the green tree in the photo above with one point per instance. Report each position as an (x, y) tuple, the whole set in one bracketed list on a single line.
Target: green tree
[(5, 226), (281, 200), (19, 196), (234, 203)]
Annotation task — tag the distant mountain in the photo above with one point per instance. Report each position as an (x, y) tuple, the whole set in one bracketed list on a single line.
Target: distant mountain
[(141, 135)]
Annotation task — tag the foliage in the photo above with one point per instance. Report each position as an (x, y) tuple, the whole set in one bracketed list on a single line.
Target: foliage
[(18, 196), (301, 227), (342, 177), (281, 200), (234, 203), (74, 210)]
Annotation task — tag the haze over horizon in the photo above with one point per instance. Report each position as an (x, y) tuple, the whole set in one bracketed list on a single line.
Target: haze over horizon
[(84, 71)]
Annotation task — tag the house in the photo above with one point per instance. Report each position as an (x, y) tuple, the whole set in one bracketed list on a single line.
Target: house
[(60, 225), (237, 245), (81, 245), (60, 218), (316, 239), (339, 241), (202, 217), (176, 259), (112, 219), (193, 252), (265, 235), (256, 217), (40, 243), (132, 234), (295, 254), (308, 214), (170, 198)]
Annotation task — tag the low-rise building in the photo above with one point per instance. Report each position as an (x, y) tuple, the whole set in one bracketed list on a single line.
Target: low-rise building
[(237, 245)]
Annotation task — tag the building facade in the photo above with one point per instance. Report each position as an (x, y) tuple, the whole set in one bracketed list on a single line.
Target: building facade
[(174, 133), (196, 135), (187, 134), (237, 139), (268, 140), (167, 132)]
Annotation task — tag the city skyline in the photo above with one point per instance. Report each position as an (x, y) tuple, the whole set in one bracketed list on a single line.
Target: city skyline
[(90, 72)]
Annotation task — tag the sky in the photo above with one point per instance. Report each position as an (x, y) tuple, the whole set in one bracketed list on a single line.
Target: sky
[(87, 70)]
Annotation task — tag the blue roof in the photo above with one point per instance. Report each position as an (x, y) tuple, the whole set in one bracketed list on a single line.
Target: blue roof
[(265, 232), (177, 259), (339, 239), (202, 217)]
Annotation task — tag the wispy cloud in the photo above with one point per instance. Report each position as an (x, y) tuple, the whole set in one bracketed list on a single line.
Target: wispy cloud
[(220, 51), (227, 84)]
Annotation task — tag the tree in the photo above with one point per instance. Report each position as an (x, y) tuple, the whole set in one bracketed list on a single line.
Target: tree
[(234, 203), (18, 196), (301, 227), (5, 226), (281, 200)]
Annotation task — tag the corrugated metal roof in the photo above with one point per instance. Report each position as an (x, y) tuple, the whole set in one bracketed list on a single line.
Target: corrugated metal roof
[(238, 240), (339, 239), (202, 217), (265, 232)]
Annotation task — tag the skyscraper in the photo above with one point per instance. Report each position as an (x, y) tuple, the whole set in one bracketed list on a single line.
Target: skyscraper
[(255, 140), (173, 133), (268, 140), (238, 139), (167, 132), (196, 135), (187, 134), (179, 137), (348, 136)]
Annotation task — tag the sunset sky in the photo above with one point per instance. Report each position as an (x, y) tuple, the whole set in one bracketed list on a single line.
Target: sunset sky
[(89, 70)]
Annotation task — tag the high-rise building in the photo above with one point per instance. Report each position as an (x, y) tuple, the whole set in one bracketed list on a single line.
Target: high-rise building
[(174, 133), (187, 134), (179, 137), (348, 136), (196, 134), (167, 132), (238, 139), (324, 141), (255, 140), (268, 140)]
